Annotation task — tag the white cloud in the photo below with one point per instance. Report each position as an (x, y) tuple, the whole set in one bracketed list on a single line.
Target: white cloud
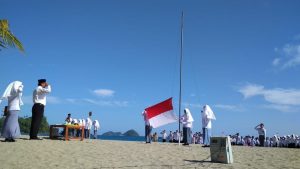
[(280, 99), (220, 106), (54, 100), (229, 107), (104, 92), (50, 100), (276, 62), (107, 103), (290, 56), (195, 105), (282, 108), (192, 95), (251, 90), (275, 96)]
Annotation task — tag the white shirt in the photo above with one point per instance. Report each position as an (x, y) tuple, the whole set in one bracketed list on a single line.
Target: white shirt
[(14, 101), (186, 122), (207, 116), (176, 135), (39, 94), (164, 135), (96, 125), (88, 123)]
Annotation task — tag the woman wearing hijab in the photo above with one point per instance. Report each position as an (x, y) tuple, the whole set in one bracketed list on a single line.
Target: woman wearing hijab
[(148, 128), (207, 117), (96, 126), (13, 94), (187, 121)]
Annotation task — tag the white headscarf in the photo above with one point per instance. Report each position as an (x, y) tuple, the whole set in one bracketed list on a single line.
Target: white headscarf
[(208, 113), (12, 89), (189, 115), (96, 123)]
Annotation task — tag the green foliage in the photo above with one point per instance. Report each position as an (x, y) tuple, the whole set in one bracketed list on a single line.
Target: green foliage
[(131, 133), (7, 39), (25, 123)]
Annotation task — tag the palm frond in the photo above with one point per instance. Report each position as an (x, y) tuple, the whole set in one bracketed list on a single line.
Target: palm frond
[(7, 38)]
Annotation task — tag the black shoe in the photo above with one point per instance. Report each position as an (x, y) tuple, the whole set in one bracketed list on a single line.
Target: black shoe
[(7, 140), (185, 144), (35, 138), (205, 146)]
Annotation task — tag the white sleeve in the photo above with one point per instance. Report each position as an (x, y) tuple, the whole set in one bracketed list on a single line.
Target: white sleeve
[(44, 90)]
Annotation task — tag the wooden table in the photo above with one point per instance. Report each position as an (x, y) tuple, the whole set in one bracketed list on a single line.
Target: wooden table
[(66, 129)]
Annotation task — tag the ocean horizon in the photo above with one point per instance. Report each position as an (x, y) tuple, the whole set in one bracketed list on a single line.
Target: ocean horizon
[(121, 138)]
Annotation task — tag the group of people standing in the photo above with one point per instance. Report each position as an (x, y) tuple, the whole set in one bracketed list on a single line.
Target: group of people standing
[(13, 95), (187, 121), (87, 123)]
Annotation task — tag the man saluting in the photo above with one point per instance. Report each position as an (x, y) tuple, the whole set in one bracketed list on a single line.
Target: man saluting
[(39, 100)]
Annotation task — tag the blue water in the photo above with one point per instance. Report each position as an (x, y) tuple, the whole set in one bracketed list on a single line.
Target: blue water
[(122, 138)]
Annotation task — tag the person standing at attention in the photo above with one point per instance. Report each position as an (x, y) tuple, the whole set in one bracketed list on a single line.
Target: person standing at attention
[(13, 94), (187, 121), (148, 128), (164, 136), (96, 126), (69, 119), (39, 100), (262, 134), (207, 117), (88, 126)]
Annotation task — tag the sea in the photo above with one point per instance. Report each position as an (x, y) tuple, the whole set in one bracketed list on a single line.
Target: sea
[(121, 138)]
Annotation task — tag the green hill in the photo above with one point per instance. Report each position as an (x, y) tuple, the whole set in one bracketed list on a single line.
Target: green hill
[(131, 133)]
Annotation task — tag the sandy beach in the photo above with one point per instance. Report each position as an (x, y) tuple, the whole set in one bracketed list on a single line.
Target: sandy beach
[(94, 154)]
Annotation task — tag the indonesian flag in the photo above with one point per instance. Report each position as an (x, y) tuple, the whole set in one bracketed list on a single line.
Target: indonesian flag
[(161, 114)]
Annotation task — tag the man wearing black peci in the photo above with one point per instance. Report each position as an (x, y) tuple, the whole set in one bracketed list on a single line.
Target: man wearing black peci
[(39, 100)]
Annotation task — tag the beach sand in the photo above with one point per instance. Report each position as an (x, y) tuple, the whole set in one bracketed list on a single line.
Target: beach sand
[(94, 154)]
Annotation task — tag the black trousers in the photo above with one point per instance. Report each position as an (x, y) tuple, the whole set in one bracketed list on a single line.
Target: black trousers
[(261, 140), (37, 116), (148, 129), (87, 133)]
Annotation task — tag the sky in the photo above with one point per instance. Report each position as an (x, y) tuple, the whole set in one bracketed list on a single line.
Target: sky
[(116, 58)]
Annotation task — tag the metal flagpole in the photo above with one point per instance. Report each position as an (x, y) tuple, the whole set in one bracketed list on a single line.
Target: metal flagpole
[(180, 79)]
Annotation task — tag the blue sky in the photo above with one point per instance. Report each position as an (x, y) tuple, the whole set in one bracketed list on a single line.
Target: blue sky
[(116, 58)]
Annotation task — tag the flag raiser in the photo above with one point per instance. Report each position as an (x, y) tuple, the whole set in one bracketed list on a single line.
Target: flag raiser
[(161, 114)]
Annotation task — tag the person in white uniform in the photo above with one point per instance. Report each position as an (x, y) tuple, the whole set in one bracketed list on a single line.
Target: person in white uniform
[(164, 136), (96, 126), (148, 128), (207, 117), (88, 126), (187, 121), (262, 133), (39, 100), (13, 94)]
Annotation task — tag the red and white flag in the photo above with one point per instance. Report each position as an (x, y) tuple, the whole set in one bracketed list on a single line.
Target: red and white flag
[(161, 114)]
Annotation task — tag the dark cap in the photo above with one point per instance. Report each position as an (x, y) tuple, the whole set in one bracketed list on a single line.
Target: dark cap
[(42, 81)]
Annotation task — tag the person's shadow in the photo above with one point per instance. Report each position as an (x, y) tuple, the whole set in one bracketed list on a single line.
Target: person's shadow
[(198, 161)]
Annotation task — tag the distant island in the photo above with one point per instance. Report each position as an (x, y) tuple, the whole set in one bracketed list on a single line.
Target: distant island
[(129, 133)]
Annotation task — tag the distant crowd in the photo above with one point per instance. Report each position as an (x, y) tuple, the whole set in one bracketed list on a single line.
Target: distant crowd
[(87, 123), (288, 141)]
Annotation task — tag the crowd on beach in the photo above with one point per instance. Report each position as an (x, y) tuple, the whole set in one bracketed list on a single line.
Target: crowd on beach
[(185, 135), (87, 123), (288, 141), (11, 128)]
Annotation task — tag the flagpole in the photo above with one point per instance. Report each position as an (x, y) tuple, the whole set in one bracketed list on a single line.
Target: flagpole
[(180, 76)]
